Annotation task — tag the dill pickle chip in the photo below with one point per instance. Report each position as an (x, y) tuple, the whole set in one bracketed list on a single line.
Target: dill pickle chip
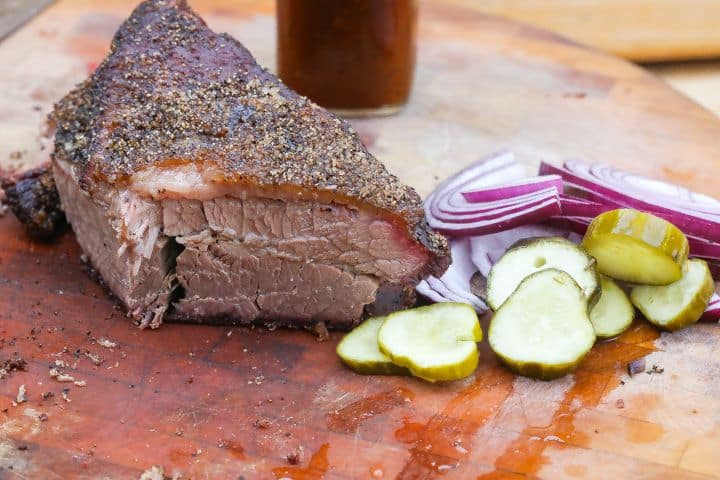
[(536, 254), (636, 247), (436, 342), (675, 306), (359, 350), (543, 330), (613, 313)]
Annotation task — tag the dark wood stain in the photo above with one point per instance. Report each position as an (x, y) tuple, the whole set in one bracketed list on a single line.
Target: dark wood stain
[(348, 419)]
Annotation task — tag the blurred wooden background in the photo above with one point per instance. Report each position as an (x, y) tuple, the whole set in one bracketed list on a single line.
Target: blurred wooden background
[(682, 34), (640, 30), (677, 39)]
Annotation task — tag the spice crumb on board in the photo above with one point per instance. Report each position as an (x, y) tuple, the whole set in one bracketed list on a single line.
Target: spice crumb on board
[(107, 343), (262, 423), (97, 360), (13, 364), (655, 369), (21, 395), (156, 472), (620, 403), (61, 377)]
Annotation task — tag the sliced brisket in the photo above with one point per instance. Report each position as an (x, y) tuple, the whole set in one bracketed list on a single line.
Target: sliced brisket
[(203, 189)]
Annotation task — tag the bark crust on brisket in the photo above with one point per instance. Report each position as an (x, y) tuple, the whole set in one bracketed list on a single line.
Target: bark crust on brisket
[(201, 187), (33, 199)]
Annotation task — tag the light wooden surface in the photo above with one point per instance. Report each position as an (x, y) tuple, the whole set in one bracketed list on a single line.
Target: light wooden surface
[(642, 30), (698, 80), (220, 403)]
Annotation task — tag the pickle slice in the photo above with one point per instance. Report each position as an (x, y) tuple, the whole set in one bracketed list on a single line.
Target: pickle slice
[(437, 342), (543, 330), (636, 247), (679, 304), (359, 350), (532, 255), (613, 313)]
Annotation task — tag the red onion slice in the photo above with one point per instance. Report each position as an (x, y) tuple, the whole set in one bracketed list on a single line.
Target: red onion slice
[(498, 167), (699, 219), (468, 209), (457, 278), (493, 170), (673, 194), (490, 196), (424, 289), (580, 207), (437, 285), (712, 312), (532, 213), (514, 189), (487, 211), (454, 285)]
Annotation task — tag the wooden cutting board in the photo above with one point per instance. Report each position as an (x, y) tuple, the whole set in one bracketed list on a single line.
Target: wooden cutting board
[(215, 402), (641, 30)]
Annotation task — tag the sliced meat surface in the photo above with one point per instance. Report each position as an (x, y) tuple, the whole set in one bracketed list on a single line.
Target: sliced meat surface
[(203, 189)]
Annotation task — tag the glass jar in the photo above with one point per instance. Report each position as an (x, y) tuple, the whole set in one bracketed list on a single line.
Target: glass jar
[(355, 57)]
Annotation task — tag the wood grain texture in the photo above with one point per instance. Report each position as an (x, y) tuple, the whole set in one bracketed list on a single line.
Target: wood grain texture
[(223, 403), (640, 30)]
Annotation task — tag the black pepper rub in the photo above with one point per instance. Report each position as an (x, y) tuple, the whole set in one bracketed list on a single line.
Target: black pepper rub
[(172, 91)]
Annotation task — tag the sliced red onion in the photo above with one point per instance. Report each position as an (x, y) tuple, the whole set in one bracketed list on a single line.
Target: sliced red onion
[(454, 285), (712, 312), (457, 278), (699, 247), (437, 285), (489, 211), (490, 196), (532, 213), (485, 208), (496, 168), (693, 213), (675, 195), (514, 189), (426, 291), (580, 207)]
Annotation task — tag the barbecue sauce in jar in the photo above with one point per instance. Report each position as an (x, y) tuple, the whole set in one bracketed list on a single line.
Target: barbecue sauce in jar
[(356, 57)]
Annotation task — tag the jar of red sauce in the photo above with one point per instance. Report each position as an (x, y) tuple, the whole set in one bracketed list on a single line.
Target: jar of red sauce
[(356, 57)]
